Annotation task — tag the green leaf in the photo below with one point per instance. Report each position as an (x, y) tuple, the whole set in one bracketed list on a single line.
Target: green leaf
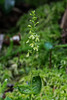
[(35, 89), (7, 98), (24, 89), (4, 85), (61, 46), (48, 46), (36, 85), (0, 88)]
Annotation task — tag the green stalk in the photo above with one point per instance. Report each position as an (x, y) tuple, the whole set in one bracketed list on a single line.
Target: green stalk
[(31, 82), (31, 74), (61, 46), (32, 40), (50, 60)]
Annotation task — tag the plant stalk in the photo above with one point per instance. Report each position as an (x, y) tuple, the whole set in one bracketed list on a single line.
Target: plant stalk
[(50, 59)]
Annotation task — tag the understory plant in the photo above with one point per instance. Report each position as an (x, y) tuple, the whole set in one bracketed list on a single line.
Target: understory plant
[(33, 87), (54, 80), (3, 88), (33, 40)]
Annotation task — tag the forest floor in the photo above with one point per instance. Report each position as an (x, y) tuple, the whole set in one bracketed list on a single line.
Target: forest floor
[(13, 57), (9, 20)]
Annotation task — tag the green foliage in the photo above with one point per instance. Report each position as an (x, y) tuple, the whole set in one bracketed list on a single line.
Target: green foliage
[(7, 98), (33, 38), (48, 28), (35, 89), (64, 62), (54, 83), (5, 74), (2, 88), (48, 17), (48, 46), (18, 68)]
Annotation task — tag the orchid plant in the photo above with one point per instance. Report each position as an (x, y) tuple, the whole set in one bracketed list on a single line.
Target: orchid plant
[(33, 38)]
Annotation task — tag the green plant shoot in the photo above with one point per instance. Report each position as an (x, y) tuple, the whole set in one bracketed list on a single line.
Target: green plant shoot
[(33, 38)]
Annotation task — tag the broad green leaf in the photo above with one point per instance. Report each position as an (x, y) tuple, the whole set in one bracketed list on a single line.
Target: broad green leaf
[(35, 89), (24, 89), (48, 46), (36, 84), (7, 98)]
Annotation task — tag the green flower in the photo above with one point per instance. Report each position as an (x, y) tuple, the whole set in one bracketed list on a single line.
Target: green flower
[(33, 38)]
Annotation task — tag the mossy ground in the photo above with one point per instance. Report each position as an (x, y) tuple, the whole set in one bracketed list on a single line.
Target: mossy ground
[(15, 66)]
